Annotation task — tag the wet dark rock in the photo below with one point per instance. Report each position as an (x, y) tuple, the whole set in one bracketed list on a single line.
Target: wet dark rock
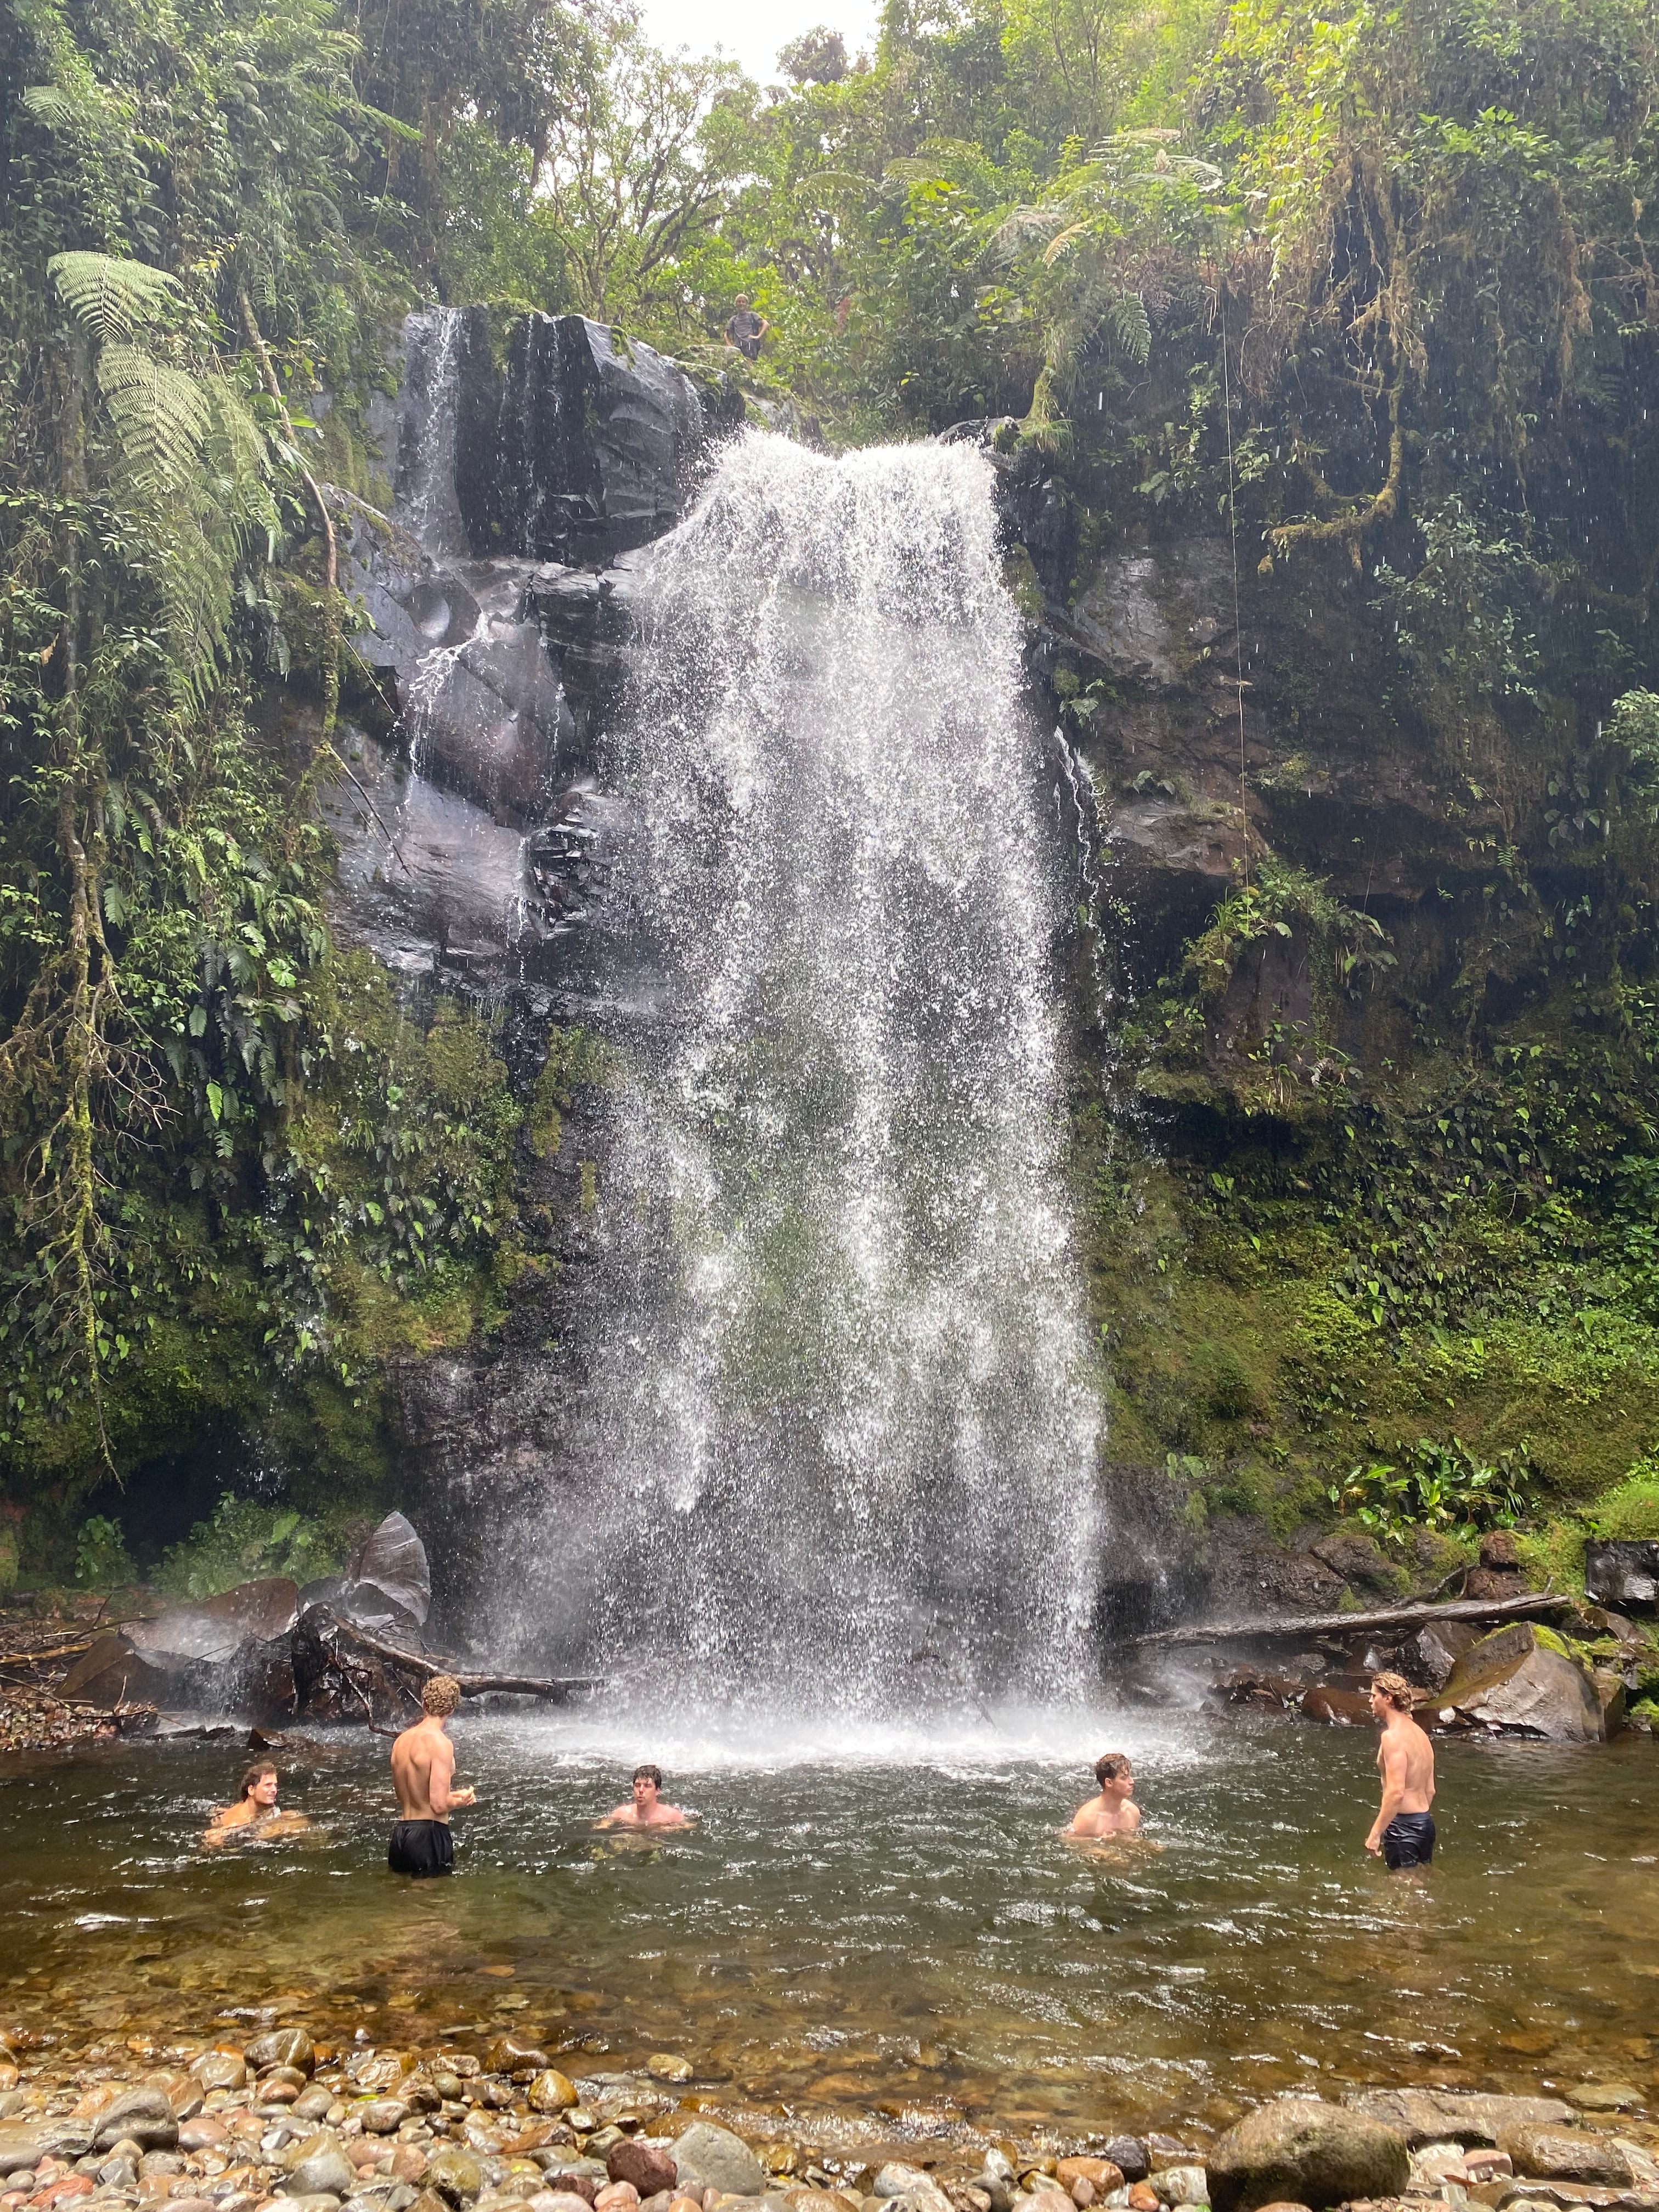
[(1438, 1648), (1514, 1681), (511, 2054), (581, 445), (1623, 1574), (1356, 1560), (1304, 2150), (1128, 2154)]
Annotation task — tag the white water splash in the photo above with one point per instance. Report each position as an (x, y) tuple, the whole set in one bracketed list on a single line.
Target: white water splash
[(847, 1413)]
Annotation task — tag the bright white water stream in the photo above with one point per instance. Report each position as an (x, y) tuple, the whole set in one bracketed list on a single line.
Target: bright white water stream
[(846, 1413)]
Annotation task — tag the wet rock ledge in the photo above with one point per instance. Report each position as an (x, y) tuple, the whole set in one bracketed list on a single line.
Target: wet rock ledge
[(281, 2124)]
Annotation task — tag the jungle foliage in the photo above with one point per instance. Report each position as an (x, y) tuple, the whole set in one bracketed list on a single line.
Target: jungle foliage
[(1371, 283)]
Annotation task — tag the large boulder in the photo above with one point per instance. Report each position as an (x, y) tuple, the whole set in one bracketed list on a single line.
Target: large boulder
[(1303, 2151), (1463, 2116), (1517, 1682), (1623, 1574), (1439, 1646), (568, 442)]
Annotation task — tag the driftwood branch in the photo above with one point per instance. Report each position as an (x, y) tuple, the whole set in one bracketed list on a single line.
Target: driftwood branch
[(472, 1685), (1285, 1627)]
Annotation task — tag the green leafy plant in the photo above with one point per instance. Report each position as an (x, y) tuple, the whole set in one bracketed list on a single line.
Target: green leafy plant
[(101, 1558), (1443, 1487), (241, 1540)]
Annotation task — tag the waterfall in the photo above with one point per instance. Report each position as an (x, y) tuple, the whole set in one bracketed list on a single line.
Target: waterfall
[(427, 505), (844, 1413)]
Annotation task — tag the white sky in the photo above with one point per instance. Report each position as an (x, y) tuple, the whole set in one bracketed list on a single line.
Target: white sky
[(751, 31)]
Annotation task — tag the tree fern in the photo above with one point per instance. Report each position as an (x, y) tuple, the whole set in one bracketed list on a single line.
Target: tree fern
[(109, 299), (159, 413)]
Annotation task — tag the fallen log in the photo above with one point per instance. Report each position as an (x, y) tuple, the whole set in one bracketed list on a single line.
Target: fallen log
[(1279, 1627), (472, 1685)]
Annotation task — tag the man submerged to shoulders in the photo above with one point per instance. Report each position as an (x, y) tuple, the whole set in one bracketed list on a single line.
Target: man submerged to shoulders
[(424, 1774), (646, 1810), (1402, 1834), (1114, 1812)]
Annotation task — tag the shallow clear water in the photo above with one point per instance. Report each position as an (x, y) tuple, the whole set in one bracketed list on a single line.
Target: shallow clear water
[(885, 1938)]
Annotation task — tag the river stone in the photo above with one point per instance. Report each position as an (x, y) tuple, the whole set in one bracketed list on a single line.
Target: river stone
[(221, 2069), (1181, 2184), (1512, 1679), (1567, 2154), (511, 2054), (383, 2116), (553, 2092), (1302, 2148), (669, 2066), (649, 2166), (283, 2046), (1128, 2154), (896, 2180), (1605, 2097), (562, 2199), (146, 2114), (1424, 2115), (1101, 2172), (327, 2172), (322, 2201), (713, 2158), (455, 2174)]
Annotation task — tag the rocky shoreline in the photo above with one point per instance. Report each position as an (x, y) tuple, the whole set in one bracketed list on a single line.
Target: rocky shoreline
[(281, 2122)]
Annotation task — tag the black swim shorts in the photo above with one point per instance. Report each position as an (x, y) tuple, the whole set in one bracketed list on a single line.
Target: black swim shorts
[(1408, 1840), (422, 1847)]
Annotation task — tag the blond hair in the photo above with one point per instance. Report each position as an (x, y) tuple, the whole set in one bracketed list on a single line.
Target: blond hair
[(1396, 1689), (440, 1696)]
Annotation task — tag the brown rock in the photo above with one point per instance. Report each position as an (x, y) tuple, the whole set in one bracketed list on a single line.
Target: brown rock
[(647, 2168), (1340, 1708), (1427, 2115), (383, 2116), (283, 2046), (511, 2054), (221, 2069), (204, 2134), (408, 2164), (553, 2092), (1143, 2198), (617, 2197), (1567, 2154), (1499, 1548), (1101, 2171)]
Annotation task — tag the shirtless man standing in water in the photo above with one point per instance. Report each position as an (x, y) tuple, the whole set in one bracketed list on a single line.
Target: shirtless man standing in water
[(1402, 1834), (423, 1769), (645, 1809), (1114, 1812)]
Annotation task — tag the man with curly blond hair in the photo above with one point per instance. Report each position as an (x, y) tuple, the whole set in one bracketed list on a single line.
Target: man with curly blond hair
[(1402, 1834), (423, 1773)]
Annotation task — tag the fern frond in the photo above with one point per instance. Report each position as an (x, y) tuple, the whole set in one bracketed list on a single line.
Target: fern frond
[(159, 413), (1066, 239), (110, 298), (49, 104), (910, 169)]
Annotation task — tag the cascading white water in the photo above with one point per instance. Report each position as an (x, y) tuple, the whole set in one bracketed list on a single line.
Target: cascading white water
[(844, 1410), (427, 505)]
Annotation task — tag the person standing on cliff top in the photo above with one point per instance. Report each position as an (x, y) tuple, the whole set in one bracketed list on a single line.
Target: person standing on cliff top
[(646, 1810), (1114, 1813), (423, 1773), (1402, 1834)]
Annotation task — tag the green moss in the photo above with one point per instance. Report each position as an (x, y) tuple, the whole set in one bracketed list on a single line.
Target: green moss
[(575, 1057)]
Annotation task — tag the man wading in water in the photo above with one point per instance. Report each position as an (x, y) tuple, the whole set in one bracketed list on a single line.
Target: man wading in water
[(1114, 1812), (646, 1810), (422, 1768), (1403, 1831)]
